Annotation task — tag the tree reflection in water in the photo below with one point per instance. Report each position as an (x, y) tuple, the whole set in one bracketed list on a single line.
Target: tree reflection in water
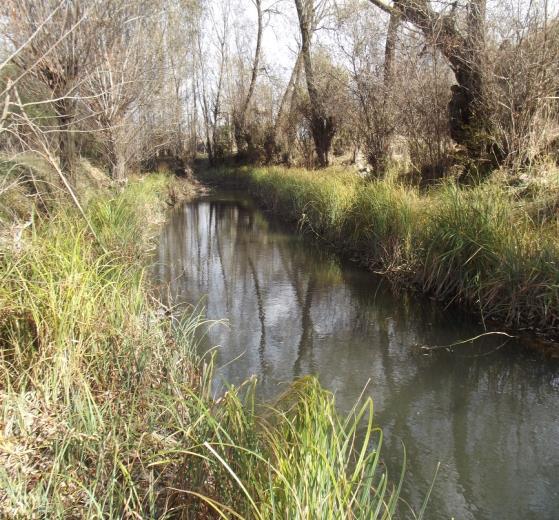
[(294, 309)]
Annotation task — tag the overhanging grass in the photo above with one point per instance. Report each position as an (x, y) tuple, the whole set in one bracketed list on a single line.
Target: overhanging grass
[(106, 412), (479, 246)]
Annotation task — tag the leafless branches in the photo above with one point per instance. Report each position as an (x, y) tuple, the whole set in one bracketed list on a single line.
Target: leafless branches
[(410, 85)]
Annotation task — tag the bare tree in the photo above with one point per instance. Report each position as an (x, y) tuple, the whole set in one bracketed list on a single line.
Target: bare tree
[(211, 96), (322, 124), (524, 87), (123, 78), (284, 112), (126, 80), (462, 47), (58, 56), (243, 138), (371, 62)]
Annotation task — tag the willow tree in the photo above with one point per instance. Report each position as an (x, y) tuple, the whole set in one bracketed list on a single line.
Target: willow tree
[(323, 126), (462, 48), (243, 137), (122, 81), (282, 135), (58, 56)]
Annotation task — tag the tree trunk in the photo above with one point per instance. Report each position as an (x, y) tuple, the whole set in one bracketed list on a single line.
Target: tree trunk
[(66, 139), (322, 126), (390, 50), (323, 133), (209, 149), (116, 156), (288, 93), (119, 168), (243, 139), (291, 132), (379, 155), (464, 55), (194, 119)]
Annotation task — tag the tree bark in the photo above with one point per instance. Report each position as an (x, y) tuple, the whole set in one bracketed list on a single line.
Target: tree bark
[(390, 50), (194, 118), (243, 139), (379, 156), (119, 168), (117, 159), (322, 125), (274, 147), (463, 54), (65, 110), (288, 93)]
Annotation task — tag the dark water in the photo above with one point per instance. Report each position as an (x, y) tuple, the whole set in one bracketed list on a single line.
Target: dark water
[(487, 412)]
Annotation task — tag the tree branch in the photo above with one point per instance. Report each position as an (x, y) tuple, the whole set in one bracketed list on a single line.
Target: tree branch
[(387, 8)]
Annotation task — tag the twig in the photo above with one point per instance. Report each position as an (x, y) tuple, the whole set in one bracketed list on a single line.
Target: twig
[(426, 348)]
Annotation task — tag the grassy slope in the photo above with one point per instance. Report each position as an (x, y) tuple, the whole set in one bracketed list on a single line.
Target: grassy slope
[(486, 247), (105, 410)]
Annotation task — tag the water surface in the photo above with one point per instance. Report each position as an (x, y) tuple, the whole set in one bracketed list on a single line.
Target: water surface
[(488, 412)]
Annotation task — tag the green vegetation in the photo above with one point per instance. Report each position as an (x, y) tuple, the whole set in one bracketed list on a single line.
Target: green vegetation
[(490, 246), (106, 412)]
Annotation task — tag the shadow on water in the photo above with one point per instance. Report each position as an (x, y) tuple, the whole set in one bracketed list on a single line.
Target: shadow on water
[(488, 412)]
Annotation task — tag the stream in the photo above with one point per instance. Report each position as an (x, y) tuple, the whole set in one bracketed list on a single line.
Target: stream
[(487, 411)]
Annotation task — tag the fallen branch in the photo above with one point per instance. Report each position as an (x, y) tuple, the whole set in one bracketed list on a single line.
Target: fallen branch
[(426, 349)]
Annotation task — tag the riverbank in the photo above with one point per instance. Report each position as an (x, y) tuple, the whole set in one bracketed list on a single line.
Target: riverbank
[(107, 411), (489, 248)]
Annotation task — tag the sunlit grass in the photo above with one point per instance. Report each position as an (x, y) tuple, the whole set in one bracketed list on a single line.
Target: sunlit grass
[(485, 246), (323, 463), (107, 412)]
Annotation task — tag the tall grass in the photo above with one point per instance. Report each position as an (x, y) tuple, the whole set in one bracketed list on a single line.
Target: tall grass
[(479, 246), (323, 463), (106, 411)]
